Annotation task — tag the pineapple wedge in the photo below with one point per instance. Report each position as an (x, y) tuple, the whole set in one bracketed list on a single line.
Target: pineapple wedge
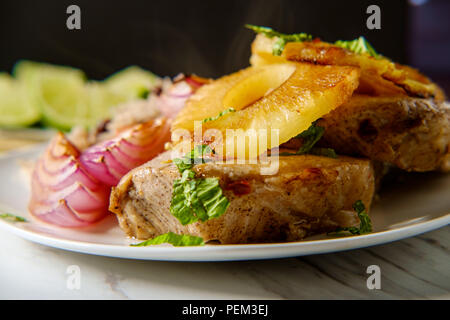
[(379, 76), (275, 102)]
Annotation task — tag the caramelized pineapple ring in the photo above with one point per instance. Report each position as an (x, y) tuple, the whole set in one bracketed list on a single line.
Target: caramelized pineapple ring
[(285, 98), (379, 76)]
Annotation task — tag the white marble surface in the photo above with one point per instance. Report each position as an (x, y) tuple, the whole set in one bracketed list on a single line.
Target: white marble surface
[(415, 268)]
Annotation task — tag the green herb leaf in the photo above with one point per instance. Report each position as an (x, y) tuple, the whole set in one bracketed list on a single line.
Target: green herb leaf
[(195, 199), (219, 115), (359, 46), (365, 225), (177, 240), (278, 46), (283, 38), (268, 32), (324, 152), (195, 156), (365, 222), (310, 137), (12, 217), (183, 164)]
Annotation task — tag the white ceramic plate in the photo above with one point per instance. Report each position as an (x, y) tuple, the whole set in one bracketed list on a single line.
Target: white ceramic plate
[(414, 205)]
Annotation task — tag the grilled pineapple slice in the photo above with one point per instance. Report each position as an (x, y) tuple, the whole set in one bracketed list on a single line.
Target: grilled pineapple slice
[(274, 102), (379, 76)]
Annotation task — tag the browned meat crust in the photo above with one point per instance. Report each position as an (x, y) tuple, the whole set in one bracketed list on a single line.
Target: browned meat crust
[(410, 133), (308, 195)]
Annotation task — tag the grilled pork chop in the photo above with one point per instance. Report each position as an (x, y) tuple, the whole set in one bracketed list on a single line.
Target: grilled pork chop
[(410, 133), (308, 195)]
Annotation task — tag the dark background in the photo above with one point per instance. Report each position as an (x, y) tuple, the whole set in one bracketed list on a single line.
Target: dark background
[(207, 37)]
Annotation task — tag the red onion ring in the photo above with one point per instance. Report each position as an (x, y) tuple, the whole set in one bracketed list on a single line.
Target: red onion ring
[(63, 193), (108, 161)]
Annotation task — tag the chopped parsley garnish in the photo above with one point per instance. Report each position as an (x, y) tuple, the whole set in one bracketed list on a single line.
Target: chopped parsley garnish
[(365, 225), (177, 240), (359, 46), (282, 38), (12, 217), (310, 137), (195, 199), (219, 115)]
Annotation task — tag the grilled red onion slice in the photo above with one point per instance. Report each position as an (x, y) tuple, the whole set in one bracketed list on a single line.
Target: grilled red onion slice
[(108, 161), (71, 189), (62, 191)]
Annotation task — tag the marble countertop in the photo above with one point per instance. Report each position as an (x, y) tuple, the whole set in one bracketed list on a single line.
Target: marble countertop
[(414, 268)]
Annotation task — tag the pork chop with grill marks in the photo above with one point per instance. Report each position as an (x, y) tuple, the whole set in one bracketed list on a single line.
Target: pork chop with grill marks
[(308, 195)]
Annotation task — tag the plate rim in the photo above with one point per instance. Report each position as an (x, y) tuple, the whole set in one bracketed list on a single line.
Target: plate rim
[(238, 252)]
